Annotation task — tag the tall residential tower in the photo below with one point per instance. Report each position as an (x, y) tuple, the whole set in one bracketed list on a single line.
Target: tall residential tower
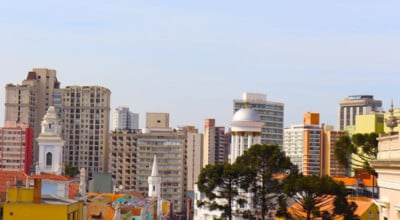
[(85, 116), (27, 103), (123, 119)]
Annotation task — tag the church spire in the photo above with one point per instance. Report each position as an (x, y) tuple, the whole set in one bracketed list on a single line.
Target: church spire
[(154, 171)]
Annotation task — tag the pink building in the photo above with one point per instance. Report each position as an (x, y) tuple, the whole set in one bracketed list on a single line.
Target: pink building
[(15, 147)]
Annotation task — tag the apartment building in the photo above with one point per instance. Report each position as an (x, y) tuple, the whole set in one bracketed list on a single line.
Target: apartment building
[(85, 116), (28, 102), (124, 119), (330, 166), (15, 147), (216, 148)]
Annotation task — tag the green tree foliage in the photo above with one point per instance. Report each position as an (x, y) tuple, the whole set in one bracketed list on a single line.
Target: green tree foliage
[(261, 163), (221, 181), (70, 170), (357, 151), (313, 192)]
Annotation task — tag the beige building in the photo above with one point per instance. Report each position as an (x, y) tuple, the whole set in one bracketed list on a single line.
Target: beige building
[(216, 145), (387, 165), (132, 155), (28, 102), (122, 157), (85, 116), (194, 146)]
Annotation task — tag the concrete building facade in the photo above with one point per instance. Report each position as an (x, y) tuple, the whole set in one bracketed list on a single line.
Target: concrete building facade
[(132, 155), (271, 113), (215, 148), (123, 119), (194, 153), (28, 102), (122, 157), (85, 117), (15, 147), (387, 165), (302, 143), (355, 105)]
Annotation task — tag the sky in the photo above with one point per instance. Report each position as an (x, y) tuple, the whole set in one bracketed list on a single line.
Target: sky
[(192, 58)]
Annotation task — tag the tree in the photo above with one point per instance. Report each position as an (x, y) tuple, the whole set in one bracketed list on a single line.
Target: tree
[(221, 182), (261, 163), (357, 151), (313, 193), (70, 170)]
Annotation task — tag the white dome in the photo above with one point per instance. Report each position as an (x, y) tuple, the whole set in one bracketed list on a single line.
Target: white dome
[(246, 114)]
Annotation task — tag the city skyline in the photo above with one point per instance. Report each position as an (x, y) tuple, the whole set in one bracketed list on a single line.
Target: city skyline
[(192, 59)]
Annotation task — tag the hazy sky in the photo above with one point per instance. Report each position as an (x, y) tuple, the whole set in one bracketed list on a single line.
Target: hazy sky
[(192, 59)]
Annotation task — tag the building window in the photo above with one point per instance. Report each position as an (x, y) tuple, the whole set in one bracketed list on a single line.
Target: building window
[(49, 158)]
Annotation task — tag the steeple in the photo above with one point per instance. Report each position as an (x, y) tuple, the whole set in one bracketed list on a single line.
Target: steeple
[(154, 171), (155, 185), (154, 180), (50, 144)]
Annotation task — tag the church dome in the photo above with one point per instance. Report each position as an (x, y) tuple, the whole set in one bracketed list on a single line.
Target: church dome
[(246, 114)]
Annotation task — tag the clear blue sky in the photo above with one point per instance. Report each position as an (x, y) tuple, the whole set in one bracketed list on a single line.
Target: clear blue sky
[(192, 59)]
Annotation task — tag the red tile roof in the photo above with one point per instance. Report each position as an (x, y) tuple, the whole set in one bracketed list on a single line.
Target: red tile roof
[(50, 176), (73, 190), (9, 178)]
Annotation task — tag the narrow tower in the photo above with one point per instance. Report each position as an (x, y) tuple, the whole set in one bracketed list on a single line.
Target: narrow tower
[(155, 185), (246, 131), (50, 144)]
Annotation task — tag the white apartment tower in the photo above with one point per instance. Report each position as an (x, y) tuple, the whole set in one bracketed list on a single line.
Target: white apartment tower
[(355, 105), (123, 119), (28, 102), (85, 116), (271, 114), (302, 143)]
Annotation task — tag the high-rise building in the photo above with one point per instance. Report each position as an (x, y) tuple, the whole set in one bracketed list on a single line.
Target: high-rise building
[(271, 113), (132, 155), (85, 116), (123, 119), (15, 147), (27, 103), (216, 146), (330, 166), (122, 158), (194, 146), (169, 146), (355, 105), (302, 143)]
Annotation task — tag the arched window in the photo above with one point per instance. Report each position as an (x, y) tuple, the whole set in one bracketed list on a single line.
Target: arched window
[(49, 158)]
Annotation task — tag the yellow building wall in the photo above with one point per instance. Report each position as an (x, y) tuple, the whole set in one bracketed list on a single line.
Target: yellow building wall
[(369, 123), (371, 213), (396, 113), (20, 195)]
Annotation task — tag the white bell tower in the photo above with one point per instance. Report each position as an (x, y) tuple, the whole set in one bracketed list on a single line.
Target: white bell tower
[(50, 145), (155, 185)]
